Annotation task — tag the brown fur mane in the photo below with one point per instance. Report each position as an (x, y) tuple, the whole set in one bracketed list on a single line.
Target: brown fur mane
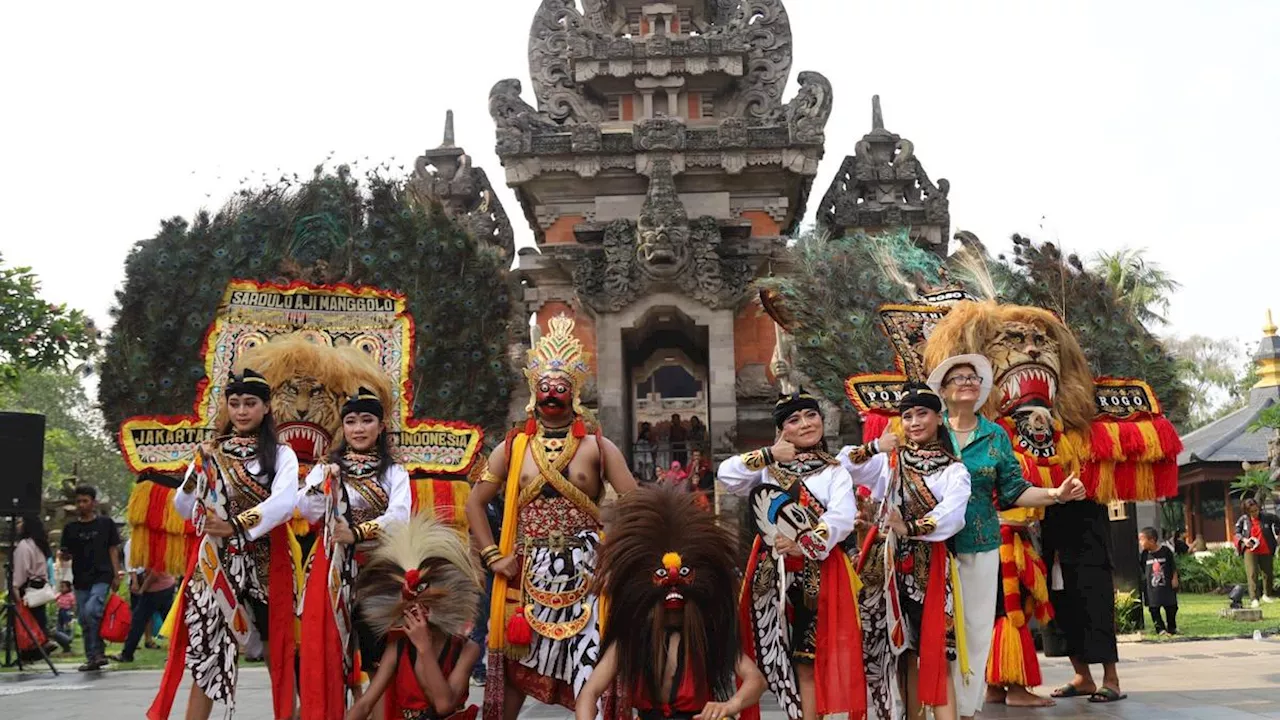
[(653, 521)]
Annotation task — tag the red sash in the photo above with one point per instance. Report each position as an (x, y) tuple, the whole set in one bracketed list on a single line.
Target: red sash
[(838, 669), (280, 619), (933, 631)]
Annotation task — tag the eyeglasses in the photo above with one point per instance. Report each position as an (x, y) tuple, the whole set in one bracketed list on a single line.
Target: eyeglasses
[(965, 380)]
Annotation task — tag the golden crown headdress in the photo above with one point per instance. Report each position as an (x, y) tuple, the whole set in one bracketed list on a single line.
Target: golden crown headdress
[(557, 352)]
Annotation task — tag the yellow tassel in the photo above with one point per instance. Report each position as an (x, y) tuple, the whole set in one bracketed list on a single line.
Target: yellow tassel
[(1151, 442), (1010, 654), (171, 620), (1106, 481), (962, 650), (1145, 482), (1073, 447)]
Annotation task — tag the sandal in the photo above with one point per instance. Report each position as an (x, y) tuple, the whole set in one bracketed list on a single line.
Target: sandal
[(1107, 695), (1068, 691)]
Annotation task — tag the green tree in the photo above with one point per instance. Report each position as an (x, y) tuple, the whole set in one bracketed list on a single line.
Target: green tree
[(1210, 368), (331, 228), (1142, 287), (34, 333), (74, 443), (1256, 483)]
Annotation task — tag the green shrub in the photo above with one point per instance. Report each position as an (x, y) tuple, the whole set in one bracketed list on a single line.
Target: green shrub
[(1128, 612), (1215, 573)]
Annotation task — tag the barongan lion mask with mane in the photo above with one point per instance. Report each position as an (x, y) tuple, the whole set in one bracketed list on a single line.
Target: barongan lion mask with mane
[(1036, 360), (309, 382)]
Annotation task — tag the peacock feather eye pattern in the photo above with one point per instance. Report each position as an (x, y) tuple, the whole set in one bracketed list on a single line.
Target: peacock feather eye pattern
[(334, 227)]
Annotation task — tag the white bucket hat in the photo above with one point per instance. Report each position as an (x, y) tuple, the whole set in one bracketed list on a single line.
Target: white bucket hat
[(980, 365)]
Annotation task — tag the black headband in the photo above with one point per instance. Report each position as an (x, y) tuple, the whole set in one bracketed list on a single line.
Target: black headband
[(789, 405), (248, 382), (917, 394), (364, 401)]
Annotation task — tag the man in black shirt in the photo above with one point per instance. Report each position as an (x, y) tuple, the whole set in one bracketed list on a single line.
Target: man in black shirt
[(94, 545)]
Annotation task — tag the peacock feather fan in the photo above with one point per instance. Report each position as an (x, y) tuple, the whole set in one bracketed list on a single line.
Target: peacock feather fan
[(831, 288), (330, 228)]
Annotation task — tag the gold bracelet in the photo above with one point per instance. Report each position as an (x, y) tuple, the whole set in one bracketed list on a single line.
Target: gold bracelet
[(489, 477)]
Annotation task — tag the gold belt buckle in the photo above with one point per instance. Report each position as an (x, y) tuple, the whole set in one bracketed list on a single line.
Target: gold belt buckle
[(555, 541)]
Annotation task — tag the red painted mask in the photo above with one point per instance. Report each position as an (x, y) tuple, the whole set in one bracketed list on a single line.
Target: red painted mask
[(554, 397), (673, 575)]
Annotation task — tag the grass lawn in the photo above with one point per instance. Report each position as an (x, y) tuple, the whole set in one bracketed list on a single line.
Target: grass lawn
[(143, 659), (1198, 618)]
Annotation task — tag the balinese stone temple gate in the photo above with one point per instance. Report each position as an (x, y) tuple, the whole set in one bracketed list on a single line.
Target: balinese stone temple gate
[(661, 172)]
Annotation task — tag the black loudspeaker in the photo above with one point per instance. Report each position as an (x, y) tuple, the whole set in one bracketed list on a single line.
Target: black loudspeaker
[(22, 447)]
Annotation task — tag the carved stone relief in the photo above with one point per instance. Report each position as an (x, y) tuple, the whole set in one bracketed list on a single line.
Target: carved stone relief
[(445, 176), (883, 184)]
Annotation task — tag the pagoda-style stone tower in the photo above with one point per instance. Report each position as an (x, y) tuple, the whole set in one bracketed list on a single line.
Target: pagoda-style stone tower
[(445, 175), (882, 186), (660, 171)]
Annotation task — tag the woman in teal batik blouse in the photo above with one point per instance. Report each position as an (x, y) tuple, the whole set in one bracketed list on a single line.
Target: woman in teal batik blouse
[(965, 382)]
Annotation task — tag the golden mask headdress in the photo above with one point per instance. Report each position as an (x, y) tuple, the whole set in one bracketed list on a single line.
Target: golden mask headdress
[(558, 354)]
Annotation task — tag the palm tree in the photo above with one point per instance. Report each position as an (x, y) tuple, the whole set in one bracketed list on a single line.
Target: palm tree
[(1142, 287)]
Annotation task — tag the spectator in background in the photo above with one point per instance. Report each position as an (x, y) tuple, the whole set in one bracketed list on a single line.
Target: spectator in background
[(1255, 539), (679, 436), (1179, 543), (697, 432), (30, 572), (94, 545), (153, 594), (643, 454), (676, 477), (480, 633), (701, 478), (66, 607)]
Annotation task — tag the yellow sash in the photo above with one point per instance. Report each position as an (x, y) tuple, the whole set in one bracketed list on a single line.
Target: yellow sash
[(506, 544)]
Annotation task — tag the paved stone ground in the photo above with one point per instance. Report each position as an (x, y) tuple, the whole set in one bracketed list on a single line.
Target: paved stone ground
[(1221, 680)]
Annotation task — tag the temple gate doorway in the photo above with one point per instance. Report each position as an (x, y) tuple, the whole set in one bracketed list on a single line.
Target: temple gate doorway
[(666, 357)]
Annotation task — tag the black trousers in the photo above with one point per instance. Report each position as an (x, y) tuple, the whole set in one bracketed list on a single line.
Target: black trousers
[(1170, 621)]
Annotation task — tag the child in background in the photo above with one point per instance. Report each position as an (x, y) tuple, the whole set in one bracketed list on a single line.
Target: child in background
[(1159, 582), (66, 606)]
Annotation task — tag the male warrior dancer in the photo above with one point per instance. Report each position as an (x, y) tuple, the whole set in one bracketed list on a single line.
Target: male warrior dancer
[(544, 618)]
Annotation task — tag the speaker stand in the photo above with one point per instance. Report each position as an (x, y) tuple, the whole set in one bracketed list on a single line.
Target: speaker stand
[(12, 618)]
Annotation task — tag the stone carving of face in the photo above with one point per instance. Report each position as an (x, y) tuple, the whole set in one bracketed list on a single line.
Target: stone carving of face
[(663, 247), (1024, 358), (554, 396)]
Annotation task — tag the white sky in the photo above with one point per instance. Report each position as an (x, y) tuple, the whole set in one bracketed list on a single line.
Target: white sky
[(1136, 123)]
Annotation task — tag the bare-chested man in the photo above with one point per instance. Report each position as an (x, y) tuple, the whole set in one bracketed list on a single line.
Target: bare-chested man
[(544, 624)]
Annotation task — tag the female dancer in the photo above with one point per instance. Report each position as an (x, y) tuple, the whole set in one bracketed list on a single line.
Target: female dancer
[(909, 600), (998, 484), (804, 578), (359, 493), (671, 574), (419, 592), (239, 491)]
